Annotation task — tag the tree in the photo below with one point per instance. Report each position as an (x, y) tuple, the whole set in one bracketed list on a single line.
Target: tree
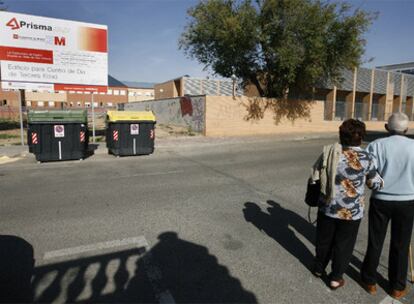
[(282, 47)]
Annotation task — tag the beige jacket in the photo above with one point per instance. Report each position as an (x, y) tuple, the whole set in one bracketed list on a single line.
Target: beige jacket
[(325, 167)]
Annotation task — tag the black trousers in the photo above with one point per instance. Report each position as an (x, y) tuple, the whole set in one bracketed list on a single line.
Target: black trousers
[(334, 238), (401, 215)]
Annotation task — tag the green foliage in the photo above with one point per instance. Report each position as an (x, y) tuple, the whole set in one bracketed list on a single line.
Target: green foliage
[(8, 136), (280, 46)]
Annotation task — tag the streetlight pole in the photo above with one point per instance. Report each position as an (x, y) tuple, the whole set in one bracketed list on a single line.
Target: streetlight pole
[(234, 78), (21, 92), (93, 118)]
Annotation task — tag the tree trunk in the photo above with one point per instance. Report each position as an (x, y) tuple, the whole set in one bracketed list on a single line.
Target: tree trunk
[(259, 88)]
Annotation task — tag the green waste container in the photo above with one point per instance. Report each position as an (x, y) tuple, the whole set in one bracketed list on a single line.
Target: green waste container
[(130, 132), (58, 135)]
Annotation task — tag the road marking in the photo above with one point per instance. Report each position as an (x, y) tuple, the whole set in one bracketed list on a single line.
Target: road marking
[(149, 174), (138, 241), (153, 272), (389, 300)]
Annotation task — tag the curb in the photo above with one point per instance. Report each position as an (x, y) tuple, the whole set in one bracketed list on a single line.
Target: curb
[(6, 159), (191, 141)]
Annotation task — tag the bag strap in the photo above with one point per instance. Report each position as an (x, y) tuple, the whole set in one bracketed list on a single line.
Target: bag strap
[(309, 217)]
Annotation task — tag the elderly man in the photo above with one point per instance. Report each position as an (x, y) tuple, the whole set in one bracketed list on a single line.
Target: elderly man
[(394, 202)]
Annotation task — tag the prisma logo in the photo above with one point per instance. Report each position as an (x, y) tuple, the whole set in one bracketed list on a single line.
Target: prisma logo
[(15, 25)]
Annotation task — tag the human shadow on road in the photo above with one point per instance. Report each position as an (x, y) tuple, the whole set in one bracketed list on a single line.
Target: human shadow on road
[(192, 274), (278, 223), (16, 269), (174, 269)]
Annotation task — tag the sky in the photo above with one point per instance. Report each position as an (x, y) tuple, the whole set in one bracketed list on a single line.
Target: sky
[(144, 34)]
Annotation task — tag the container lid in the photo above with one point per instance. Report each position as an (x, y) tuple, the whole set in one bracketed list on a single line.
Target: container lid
[(114, 116), (57, 116)]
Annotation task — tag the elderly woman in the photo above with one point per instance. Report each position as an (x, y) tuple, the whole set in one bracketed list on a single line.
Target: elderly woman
[(342, 170)]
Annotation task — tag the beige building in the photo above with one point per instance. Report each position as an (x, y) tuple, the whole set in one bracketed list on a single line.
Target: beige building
[(117, 93), (140, 94), (365, 94), (189, 86)]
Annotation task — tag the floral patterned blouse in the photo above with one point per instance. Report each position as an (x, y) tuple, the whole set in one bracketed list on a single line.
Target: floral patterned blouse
[(355, 166)]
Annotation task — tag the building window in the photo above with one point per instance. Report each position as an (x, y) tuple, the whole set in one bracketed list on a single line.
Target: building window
[(88, 104), (109, 92), (29, 103), (123, 93), (116, 92), (51, 103), (4, 102), (109, 104), (40, 104), (78, 103), (131, 94)]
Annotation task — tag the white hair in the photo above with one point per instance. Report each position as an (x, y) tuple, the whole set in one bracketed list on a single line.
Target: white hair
[(398, 122)]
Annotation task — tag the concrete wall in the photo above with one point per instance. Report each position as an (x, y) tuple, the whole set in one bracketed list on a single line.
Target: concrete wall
[(182, 111), (226, 116)]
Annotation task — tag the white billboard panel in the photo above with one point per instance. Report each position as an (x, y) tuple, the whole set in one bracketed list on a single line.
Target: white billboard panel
[(46, 50), (48, 87)]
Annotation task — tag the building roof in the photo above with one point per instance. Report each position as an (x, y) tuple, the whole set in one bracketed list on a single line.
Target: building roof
[(139, 85), (398, 66), (113, 82)]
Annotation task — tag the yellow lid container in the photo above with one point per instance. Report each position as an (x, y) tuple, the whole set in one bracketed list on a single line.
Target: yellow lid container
[(114, 116)]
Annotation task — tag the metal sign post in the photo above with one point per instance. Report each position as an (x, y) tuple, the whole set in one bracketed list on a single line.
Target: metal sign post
[(21, 117), (93, 119)]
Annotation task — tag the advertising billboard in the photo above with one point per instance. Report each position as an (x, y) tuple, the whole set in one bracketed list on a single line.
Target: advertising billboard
[(52, 53)]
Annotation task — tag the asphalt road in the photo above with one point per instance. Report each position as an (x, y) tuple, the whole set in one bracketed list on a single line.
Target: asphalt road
[(209, 221)]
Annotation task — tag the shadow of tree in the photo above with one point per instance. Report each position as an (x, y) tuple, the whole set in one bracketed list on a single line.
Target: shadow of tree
[(290, 109), (174, 269)]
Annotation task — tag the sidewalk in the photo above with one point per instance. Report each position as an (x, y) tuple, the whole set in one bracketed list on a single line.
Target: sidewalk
[(18, 151), (13, 151)]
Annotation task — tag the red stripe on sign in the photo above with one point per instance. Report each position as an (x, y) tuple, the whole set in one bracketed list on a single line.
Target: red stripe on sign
[(82, 136), (81, 88), (34, 138), (115, 135), (26, 55)]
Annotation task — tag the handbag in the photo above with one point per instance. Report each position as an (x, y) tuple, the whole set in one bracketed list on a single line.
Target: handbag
[(313, 192)]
